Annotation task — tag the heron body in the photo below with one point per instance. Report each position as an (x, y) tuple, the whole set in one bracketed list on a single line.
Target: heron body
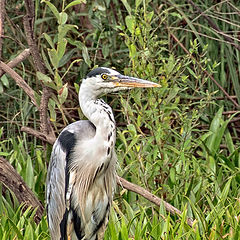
[(82, 171)]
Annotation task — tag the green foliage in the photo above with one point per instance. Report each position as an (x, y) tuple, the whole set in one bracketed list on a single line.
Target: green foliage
[(176, 141), (17, 222)]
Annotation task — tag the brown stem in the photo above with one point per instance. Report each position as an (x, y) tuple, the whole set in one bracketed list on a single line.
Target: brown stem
[(150, 197), (28, 22), (38, 62), (21, 57), (40, 135), (46, 94), (2, 18), (19, 80), (13, 181)]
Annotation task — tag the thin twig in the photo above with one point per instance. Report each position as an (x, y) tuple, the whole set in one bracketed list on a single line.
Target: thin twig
[(21, 57), (213, 25), (2, 18), (12, 180), (229, 112), (121, 181), (206, 72), (19, 81), (212, 98)]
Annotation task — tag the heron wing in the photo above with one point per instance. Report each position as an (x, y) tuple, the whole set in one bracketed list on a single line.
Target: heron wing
[(58, 175)]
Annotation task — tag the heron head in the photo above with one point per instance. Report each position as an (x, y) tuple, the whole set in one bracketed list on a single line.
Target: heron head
[(104, 80)]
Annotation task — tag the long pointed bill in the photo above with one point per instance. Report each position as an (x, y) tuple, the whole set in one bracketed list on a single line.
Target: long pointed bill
[(125, 81)]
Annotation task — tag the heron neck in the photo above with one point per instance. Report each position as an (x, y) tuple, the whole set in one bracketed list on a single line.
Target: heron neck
[(100, 114)]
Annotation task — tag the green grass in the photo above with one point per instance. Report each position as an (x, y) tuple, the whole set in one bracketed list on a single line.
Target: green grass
[(176, 141)]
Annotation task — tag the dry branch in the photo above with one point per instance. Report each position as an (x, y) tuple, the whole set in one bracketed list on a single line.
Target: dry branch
[(151, 197), (20, 58), (28, 22), (19, 80), (13, 181), (2, 18), (39, 135)]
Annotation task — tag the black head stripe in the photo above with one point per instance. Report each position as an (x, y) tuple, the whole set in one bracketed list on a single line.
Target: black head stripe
[(97, 71)]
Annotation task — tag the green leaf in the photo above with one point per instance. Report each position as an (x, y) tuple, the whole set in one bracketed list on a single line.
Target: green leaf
[(86, 55), (29, 175), (132, 51), (105, 51), (130, 22), (58, 81), (149, 16), (62, 94), (137, 3), (52, 53), (46, 80), (61, 48), (214, 127), (53, 9), (49, 40), (67, 57), (46, 62), (63, 29), (233, 73), (51, 107), (229, 141), (15, 229), (5, 154), (1, 88), (5, 81), (127, 6), (225, 191), (43, 77), (172, 175), (63, 17), (37, 98), (29, 232), (73, 3)]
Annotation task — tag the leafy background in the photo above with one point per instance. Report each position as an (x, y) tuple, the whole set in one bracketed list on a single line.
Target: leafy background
[(180, 142)]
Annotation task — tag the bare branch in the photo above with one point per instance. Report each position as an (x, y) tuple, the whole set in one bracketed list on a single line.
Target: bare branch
[(150, 197), (19, 80), (40, 135), (20, 58), (28, 22), (45, 124), (2, 18), (12, 180), (38, 62)]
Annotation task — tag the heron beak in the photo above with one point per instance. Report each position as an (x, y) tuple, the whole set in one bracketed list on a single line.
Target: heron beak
[(132, 82)]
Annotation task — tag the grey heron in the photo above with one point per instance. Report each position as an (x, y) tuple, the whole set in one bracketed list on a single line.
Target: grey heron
[(82, 170)]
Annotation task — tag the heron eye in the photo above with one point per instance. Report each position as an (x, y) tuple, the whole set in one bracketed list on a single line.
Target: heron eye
[(104, 76)]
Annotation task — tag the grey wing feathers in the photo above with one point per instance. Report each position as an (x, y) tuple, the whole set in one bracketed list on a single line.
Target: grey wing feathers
[(55, 190), (57, 177)]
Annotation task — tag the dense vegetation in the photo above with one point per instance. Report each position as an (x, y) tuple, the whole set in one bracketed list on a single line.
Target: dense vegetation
[(181, 142)]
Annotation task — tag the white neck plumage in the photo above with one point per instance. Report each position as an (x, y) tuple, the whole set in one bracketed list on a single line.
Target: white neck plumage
[(100, 114)]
